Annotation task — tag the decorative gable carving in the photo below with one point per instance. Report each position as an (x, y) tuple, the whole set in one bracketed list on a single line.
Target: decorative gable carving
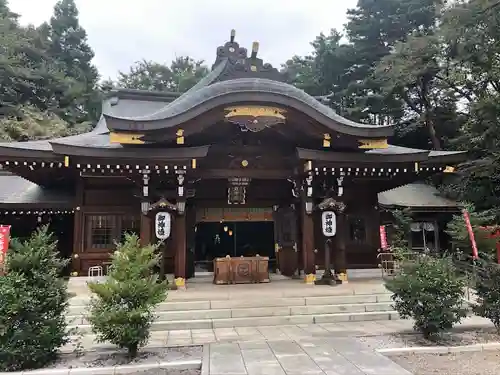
[(240, 65)]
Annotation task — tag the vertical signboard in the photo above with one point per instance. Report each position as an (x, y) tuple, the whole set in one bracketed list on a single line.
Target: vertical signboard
[(4, 245), (383, 238)]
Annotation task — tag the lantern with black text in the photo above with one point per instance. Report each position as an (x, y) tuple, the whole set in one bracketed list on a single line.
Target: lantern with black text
[(163, 225), (329, 223)]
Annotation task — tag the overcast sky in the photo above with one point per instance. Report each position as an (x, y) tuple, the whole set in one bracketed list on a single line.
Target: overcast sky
[(124, 31)]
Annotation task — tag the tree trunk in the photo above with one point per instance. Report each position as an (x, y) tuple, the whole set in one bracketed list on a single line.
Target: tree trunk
[(132, 350), (436, 143)]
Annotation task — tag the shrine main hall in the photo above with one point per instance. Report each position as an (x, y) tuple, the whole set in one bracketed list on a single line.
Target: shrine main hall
[(242, 162)]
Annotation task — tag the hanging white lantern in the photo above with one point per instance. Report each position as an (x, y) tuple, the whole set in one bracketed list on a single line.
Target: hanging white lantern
[(163, 225), (329, 223)]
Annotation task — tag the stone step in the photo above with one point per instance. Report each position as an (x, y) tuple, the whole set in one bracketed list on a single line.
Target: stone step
[(258, 312), (252, 303), (279, 289), (163, 325)]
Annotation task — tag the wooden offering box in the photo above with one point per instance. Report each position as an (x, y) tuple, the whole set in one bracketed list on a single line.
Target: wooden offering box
[(242, 270)]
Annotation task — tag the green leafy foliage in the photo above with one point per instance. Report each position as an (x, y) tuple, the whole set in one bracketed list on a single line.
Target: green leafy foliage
[(429, 291), (29, 123), (122, 307), (488, 294), (182, 74), (399, 234), (33, 303), (460, 240)]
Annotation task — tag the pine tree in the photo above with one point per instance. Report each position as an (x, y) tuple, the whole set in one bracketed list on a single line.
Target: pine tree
[(122, 308), (33, 302), (68, 45)]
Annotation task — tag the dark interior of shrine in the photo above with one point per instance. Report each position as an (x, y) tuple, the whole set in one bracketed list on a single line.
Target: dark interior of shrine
[(60, 226), (236, 238)]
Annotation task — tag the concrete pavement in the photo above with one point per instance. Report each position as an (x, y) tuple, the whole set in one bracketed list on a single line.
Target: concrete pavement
[(313, 356)]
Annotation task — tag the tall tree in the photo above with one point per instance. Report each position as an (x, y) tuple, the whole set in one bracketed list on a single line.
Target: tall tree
[(471, 30), (69, 47), (374, 27), (182, 74), (415, 73), (324, 72), (31, 83)]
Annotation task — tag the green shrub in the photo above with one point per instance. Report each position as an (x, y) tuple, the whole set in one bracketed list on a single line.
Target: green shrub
[(122, 307), (33, 302), (488, 294), (429, 291)]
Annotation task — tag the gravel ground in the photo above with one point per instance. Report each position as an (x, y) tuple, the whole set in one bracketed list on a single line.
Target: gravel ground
[(466, 363), (450, 339), (162, 372), (113, 358)]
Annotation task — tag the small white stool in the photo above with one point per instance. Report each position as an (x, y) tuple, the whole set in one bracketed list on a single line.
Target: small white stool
[(95, 271)]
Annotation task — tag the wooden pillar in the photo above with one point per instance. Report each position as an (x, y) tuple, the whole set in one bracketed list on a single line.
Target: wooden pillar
[(179, 237), (308, 245), (340, 262), (78, 228), (145, 230)]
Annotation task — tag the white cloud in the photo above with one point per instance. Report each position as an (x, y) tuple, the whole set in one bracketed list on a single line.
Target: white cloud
[(122, 32)]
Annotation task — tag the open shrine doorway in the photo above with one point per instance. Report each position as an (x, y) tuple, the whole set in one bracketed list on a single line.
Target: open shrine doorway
[(233, 231), (233, 238)]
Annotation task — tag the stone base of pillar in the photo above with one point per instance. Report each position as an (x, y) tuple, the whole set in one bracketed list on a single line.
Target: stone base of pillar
[(310, 279), (180, 283), (343, 278)]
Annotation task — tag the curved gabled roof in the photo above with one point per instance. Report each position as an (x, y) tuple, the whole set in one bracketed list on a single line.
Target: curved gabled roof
[(237, 78), (246, 90)]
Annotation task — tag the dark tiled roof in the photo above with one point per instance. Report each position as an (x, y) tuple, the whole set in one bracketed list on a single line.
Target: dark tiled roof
[(15, 190), (248, 90), (416, 195)]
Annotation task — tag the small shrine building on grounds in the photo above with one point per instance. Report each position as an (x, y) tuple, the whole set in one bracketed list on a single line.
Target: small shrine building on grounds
[(241, 161)]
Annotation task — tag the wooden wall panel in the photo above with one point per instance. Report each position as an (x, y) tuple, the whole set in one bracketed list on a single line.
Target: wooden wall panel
[(107, 197)]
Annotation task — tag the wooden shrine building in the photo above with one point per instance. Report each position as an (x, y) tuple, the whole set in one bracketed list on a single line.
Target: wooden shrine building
[(242, 160)]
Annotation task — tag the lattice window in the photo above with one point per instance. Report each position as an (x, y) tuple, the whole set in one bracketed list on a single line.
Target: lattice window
[(130, 224), (100, 231)]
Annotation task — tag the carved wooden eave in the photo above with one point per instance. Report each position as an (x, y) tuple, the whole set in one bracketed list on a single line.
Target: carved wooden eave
[(162, 204), (332, 204)]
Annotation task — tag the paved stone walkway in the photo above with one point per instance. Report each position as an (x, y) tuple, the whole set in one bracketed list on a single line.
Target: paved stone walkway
[(287, 332), (313, 356)]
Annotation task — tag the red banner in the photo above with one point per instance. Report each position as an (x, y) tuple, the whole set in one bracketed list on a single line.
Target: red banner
[(475, 253), (4, 244), (383, 238)]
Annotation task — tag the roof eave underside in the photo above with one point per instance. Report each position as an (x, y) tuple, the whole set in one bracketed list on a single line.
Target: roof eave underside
[(395, 154), (197, 101), (19, 193)]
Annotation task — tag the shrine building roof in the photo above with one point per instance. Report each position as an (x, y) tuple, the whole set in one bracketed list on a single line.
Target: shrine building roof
[(19, 193), (417, 196), (150, 120)]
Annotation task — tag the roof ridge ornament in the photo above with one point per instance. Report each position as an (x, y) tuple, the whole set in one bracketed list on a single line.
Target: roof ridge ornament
[(241, 65), (230, 50)]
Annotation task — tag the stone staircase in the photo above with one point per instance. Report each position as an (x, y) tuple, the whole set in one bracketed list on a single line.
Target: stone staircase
[(269, 309)]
